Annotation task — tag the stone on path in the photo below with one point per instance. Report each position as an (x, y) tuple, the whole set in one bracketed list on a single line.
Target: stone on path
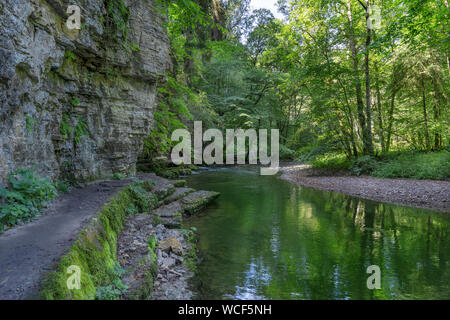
[(171, 244)]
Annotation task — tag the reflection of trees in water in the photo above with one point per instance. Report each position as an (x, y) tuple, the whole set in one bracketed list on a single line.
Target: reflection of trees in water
[(278, 241)]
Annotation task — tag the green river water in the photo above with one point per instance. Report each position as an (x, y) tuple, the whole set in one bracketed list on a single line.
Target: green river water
[(265, 238)]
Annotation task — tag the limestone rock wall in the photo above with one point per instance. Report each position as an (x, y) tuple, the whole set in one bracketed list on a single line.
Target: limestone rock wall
[(76, 102)]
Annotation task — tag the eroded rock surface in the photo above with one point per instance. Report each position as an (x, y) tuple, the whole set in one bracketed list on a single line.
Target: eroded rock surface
[(171, 214), (153, 247), (77, 102)]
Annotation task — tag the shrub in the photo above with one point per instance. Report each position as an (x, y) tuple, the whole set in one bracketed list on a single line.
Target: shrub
[(331, 161), (118, 176), (116, 289), (363, 165), (24, 198), (62, 186), (144, 201), (286, 153), (432, 165)]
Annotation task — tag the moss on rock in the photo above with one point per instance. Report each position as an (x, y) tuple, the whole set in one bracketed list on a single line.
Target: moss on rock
[(95, 250)]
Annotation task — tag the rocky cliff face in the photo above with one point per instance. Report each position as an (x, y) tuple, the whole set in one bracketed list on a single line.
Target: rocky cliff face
[(77, 102)]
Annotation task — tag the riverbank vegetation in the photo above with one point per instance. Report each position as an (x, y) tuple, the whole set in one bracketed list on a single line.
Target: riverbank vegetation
[(348, 85), (413, 164)]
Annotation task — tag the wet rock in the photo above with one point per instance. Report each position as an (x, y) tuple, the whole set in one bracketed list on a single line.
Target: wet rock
[(178, 194), (171, 245), (196, 201), (170, 210)]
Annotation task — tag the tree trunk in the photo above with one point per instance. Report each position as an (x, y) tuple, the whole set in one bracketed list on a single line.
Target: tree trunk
[(356, 80), (436, 114), (218, 19), (380, 111), (448, 58), (367, 134), (395, 87), (425, 118)]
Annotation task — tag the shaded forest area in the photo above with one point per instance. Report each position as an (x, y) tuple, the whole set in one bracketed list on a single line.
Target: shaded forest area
[(348, 86)]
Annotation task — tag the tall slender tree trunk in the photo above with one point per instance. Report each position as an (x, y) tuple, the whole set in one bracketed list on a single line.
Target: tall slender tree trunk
[(367, 134), (436, 115), (448, 58), (380, 111), (218, 18), (425, 118), (356, 79), (395, 87), (390, 120)]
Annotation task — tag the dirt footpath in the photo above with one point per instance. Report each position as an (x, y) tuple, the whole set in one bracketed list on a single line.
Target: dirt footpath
[(426, 194), (29, 251)]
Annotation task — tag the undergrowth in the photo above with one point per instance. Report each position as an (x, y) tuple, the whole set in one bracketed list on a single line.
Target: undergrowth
[(116, 289), (25, 197), (414, 165), (190, 257)]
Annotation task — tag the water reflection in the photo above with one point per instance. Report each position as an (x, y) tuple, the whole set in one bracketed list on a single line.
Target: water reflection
[(267, 239)]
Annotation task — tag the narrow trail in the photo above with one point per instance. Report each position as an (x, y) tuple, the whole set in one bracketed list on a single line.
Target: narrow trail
[(29, 251)]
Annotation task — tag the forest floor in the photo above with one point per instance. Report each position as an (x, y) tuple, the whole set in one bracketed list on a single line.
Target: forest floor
[(425, 194)]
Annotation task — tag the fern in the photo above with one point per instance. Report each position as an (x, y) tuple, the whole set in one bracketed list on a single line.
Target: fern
[(25, 197), (81, 130)]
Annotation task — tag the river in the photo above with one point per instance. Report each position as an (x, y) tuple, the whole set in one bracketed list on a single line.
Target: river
[(265, 238)]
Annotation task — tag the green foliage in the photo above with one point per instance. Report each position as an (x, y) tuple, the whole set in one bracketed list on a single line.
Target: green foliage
[(62, 186), (118, 176), (152, 243), (115, 290), (310, 152), (179, 183), (331, 161), (81, 129), (143, 199), (118, 16), (305, 76), (24, 198), (66, 127), (172, 109), (69, 56), (190, 257), (414, 165), (183, 15), (363, 165), (95, 252), (433, 165), (29, 123), (286, 153), (75, 102), (156, 220)]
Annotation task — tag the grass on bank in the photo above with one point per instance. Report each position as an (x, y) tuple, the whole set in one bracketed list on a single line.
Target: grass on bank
[(95, 251), (414, 165)]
